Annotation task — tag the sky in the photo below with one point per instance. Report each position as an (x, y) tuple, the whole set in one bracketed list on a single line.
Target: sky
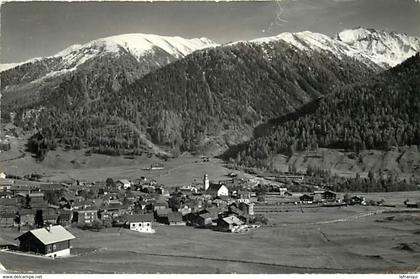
[(35, 29)]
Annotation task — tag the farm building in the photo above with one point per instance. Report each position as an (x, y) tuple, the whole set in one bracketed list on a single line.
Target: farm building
[(329, 196), (52, 241), (115, 210), (6, 184), (6, 244), (49, 187), (157, 166), (5, 202), (305, 198), (357, 200), (204, 220), (64, 218), (160, 204), (229, 224), (50, 215), (185, 210), (220, 201), (123, 184), (324, 195), (161, 215), (175, 218), (140, 222), (247, 208), (412, 204), (5, 195), (27, 216), (7, 219)]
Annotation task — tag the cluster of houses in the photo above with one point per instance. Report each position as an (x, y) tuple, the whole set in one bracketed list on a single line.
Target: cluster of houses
[(44, 210), (117, 203)]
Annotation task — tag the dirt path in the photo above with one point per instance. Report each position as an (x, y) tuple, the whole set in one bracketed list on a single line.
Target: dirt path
[(350, 218)]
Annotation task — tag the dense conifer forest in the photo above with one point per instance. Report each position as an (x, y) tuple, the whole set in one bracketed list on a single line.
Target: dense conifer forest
[(379, 113), (178, 106)]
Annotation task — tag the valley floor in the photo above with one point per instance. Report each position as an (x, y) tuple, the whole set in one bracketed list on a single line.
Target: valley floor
[(320, 240)]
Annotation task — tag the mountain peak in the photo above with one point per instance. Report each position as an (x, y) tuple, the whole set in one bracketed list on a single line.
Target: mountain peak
[(137, 44), (387, 49), (310, 41)]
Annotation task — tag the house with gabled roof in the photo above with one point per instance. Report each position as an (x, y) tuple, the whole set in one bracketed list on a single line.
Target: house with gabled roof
[(161, 215), (140, 222), (175, 219), (123, 184), (229, 224), (204, 220), (51, 241)]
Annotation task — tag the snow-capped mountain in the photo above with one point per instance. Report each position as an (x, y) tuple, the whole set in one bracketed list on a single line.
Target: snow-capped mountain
[(7, 66), (384, 48), (310, 41), (367, 45), (138, 46), (100, 65)]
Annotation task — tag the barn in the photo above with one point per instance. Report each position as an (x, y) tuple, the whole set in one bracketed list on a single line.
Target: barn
[(52, 241)]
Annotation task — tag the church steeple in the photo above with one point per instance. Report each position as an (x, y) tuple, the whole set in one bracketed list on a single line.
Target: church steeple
[(206, 182)]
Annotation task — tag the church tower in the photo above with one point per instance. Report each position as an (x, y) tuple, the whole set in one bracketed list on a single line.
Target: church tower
[(206, 182)]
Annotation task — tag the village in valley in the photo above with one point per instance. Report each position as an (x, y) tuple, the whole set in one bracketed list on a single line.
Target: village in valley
[(41, 216), (216, 212)]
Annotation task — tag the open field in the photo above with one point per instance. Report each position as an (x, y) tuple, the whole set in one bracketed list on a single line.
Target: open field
[(74, 165), (63, 165), (322, 240)]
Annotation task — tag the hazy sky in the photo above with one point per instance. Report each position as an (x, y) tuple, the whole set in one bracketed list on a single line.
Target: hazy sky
[(33, 29)]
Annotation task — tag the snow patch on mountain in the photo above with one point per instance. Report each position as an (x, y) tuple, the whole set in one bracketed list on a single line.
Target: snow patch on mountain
[(137, 45), (367, 45), (387, 49), (7, 66), (309, 41)]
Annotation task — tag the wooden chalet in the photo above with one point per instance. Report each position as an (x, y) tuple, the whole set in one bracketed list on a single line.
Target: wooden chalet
[(305, 198), (52, 241), (229, 224), (175, 219)]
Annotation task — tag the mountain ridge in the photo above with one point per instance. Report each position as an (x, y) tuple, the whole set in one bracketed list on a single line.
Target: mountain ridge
[(214, 96), (377, 114)]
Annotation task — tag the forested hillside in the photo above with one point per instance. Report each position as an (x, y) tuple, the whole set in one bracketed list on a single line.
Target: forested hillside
[(210, 93), (378, 113)]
